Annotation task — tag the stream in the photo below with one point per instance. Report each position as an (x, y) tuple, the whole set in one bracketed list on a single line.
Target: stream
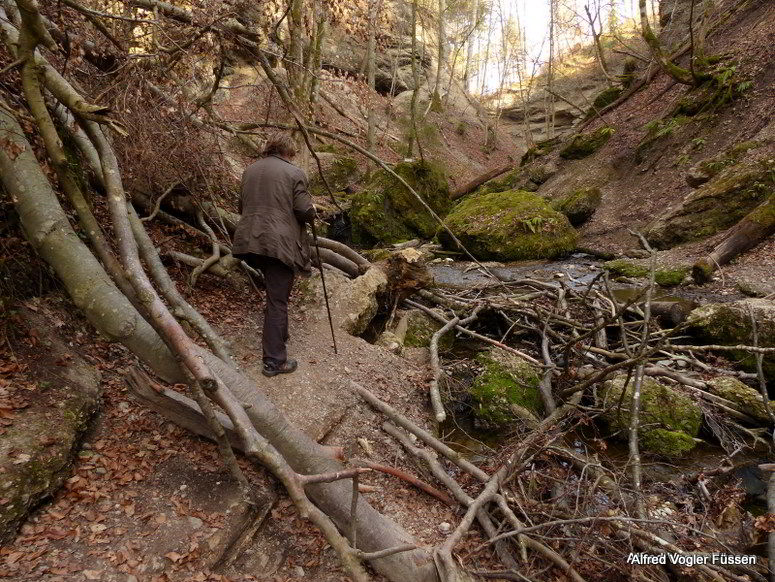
[(465, 435)]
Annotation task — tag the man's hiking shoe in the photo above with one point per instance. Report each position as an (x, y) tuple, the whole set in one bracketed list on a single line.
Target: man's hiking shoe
[(272, 369)]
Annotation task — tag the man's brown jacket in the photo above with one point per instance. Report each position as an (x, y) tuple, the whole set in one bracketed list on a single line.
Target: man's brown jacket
[(274, 206)]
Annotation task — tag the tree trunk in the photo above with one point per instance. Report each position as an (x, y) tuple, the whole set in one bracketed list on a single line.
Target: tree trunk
[(440, 55), (48, 230), (470, 47), (677, 73), (746, 234), (476, 182), (371, 69), (550, 72), (413, 137)]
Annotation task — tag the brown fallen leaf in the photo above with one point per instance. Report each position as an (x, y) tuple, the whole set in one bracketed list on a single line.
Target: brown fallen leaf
[(92, 574), (173, 556)]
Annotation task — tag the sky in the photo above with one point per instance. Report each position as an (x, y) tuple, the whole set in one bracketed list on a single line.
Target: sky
[(534, 16)]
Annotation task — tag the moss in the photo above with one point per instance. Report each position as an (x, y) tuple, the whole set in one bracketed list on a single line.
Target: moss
[(586, 144), (509, 226), (505, 381), (579, 205), (707, 169), (730, 324), (538, 150), (603, 99), (625, 268), (340, 174), (420, 327), (744, 397), (714, 206), (385, 211), (508, 181), (664, 410), (528, 178), (628, 72), (668, 443), (671, 276)]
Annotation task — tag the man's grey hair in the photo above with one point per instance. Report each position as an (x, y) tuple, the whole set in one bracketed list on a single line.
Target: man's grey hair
[(280, 144)]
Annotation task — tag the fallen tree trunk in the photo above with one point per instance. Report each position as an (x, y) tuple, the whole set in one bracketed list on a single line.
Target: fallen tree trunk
[(476, 182), (756, 226), (48, 230), (182, 206)]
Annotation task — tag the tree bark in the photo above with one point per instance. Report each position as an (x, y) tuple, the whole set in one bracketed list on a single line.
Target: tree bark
[(678, 74), (746, 234), (478, 181)]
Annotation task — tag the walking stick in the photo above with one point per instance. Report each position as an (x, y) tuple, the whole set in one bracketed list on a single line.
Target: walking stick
[(323, 280)]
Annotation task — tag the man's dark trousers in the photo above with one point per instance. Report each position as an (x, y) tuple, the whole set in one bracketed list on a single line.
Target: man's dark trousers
[(278, 278)]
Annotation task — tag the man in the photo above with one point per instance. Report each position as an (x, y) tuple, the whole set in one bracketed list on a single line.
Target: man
[(271, 237)]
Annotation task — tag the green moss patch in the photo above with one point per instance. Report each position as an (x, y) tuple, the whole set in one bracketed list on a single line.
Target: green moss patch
[(603, 99), (506, 381), (586, 144), (744, 398), (671, 277), (340, 173), (625, 268), (510, 226), (669, 420), (421, 327), (385, 211), (579, 205)]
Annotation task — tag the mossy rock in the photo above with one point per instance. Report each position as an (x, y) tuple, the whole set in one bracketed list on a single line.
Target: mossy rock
[(37, 448), (385, 211), (670, 277), (730, 324), (508, 181), (421, 327), (586, 144), (603, 99), (745, 398), (706, 169), (714, 206), (340, 173), (579, 205), (663, 276), (505, 383), (510, 226), (538, 150), (625, 268), (667, 443), (528, 178), (669, 420)]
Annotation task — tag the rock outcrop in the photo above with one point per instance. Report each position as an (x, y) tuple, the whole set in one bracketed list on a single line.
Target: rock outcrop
[(386, 212), (579, 205), (38, 445), (715, 205)]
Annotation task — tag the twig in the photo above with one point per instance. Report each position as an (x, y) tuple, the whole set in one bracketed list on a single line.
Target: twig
[(473, 334), (759, 367), (157, 204), (420, 484), (424, 435)]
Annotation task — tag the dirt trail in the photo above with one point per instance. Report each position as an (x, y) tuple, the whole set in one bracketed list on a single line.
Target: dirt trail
[(149, 501)]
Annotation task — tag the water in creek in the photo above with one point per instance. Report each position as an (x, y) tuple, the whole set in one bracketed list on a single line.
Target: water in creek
[(461, 431)]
